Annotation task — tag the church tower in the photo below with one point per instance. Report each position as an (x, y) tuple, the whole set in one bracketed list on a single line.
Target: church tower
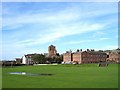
[(52, 51)]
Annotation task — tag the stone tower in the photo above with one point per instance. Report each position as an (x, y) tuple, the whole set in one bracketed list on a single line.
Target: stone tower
[(52, 51)]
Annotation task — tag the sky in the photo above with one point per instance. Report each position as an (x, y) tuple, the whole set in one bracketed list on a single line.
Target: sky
[(30, 27)]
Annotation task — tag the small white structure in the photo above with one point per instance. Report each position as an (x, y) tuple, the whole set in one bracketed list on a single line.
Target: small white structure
[(24, 60), (27, 59)]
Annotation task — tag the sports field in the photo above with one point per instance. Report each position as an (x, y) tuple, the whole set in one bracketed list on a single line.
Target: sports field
[(62, 76)]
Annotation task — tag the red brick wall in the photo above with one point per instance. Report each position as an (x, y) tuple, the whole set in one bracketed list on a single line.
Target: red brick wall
[(77, 57), (93, 57), (85, 57), (67, 57)]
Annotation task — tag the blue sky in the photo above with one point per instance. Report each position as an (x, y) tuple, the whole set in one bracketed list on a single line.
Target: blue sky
[(31, 27)]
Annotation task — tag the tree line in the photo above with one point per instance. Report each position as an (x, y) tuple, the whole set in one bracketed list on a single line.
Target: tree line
[(42, 59)]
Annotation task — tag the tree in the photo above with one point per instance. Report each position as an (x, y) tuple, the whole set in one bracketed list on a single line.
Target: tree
[(38, 58), (48, 60), (78, 50), (59, 59)]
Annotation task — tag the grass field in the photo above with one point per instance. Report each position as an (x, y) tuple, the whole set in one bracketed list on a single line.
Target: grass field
[(64, 76)]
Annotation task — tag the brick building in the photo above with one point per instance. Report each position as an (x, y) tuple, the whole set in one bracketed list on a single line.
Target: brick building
[(67, 57), (77, 57), (88, 56), (114, 56), (93, 57)]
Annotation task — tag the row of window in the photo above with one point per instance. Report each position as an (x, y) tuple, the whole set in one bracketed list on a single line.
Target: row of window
[(86, 56), (94, 59), (94, 55), (89, 59)]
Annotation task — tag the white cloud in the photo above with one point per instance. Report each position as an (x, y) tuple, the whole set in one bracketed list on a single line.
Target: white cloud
[(104, 38), (60, 17), (68, 15), (78, 42), (98, 33), (61, 31), (84, 41)]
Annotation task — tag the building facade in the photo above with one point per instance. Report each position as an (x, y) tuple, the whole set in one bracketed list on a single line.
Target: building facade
[(27, 59), (67, 57), (77, 57), (114, 56), (93, 57), (85, 57)]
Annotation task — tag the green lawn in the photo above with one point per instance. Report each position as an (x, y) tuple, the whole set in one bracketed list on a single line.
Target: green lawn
[(65, 76)]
